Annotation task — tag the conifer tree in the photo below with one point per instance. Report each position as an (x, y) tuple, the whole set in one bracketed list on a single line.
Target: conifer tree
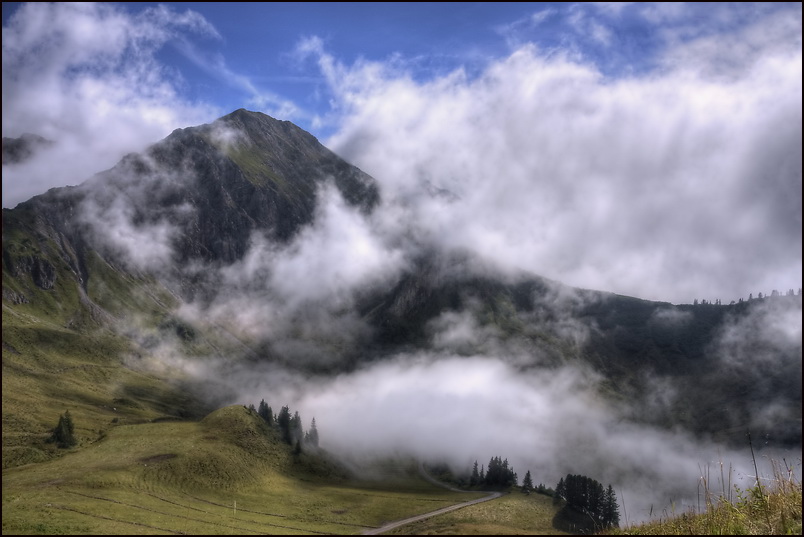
[(611, 511), (283, 420), (63, 433), (527, 482), (474, 479), (587, 496), (311, 436), (296, 429), (499, 474), (560, 492), (265, 412)]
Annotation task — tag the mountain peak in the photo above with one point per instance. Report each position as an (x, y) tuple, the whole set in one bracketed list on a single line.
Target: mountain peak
[(214, 185), (242, 114), (263, 130)]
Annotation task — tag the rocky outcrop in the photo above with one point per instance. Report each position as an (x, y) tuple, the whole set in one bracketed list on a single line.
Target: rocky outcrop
[(41, 271), (17, 150), (13, 296)]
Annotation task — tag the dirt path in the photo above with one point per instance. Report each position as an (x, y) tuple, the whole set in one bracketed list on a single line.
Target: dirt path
[(391, 525)]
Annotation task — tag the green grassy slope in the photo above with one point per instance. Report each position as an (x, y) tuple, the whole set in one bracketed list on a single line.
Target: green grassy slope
[(77, 335), (50, 366), (513, 514), (228, 473)]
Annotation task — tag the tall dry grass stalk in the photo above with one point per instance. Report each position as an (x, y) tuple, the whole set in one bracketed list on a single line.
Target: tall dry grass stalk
[(772, 508)]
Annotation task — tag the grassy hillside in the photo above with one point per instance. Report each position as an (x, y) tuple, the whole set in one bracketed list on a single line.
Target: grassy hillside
[(49, 367), (78, 335), (228, 473)]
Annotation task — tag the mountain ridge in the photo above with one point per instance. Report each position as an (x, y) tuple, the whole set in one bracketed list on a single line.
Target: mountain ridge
[(183, 242)]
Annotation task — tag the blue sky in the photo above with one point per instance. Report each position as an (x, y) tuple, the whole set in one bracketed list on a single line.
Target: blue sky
[(249, 54), (651, 149)]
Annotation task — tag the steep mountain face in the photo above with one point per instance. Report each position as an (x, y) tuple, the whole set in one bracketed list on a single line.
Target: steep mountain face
[(195, 197), (203, 191), (188, 240)]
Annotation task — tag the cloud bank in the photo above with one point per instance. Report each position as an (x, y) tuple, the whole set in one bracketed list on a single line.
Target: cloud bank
[(457, 409), (681, 183)]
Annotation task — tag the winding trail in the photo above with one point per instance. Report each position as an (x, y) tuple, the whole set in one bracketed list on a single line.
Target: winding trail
[(391, 525)]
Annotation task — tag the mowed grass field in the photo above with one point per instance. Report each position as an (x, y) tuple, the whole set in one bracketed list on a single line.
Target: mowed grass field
[(226, 474)]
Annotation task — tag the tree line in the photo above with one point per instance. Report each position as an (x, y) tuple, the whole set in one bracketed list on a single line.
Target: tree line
[(760, 296), (290, 426), (500, 474), (579, 493)]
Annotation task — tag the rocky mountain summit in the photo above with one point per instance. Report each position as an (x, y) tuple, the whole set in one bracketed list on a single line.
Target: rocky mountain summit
[(216, 183)]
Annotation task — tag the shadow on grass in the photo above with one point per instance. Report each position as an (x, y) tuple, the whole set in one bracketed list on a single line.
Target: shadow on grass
[(177, 401)]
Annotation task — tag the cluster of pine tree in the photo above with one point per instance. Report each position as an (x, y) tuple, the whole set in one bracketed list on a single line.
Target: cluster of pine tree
[(498, 475), (586, 495), (290, 427)]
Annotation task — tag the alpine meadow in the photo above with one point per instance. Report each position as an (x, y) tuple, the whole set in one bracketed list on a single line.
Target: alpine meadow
[(547, 288)]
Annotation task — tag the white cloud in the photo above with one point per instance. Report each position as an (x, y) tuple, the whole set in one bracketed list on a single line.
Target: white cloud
[(85, 76), (445, 408), (117, 208), (671, 317), (663, 12), (460, 331), (299, 298), (333, 258), (612, 8), (146, 246), (671, 186), (337, 255), (765, 337), (772, 37)]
